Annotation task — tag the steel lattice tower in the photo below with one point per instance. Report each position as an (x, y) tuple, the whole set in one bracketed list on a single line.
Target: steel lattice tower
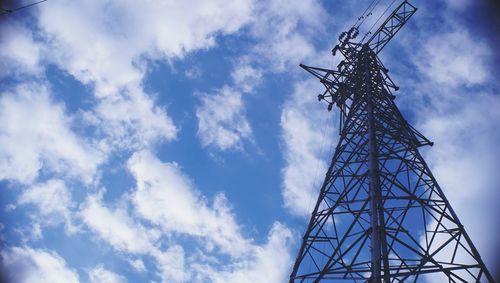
[(380, 215)]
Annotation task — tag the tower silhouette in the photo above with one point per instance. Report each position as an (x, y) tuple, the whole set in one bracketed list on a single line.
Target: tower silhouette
[(380, 215)]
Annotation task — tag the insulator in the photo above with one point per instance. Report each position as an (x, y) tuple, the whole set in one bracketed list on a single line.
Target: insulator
[(396, 88), (340, 65), (334, 50), (330, 106), (356, 33), (342, 36), (321, 97)]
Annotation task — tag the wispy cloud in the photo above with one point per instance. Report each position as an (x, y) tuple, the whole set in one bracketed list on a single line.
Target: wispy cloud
[(31, 265), (222, 121), (455, 104), (307, 134), (99, 274), (282, 36), (38, 135), (167, 198), (159, 220), (53, 202)]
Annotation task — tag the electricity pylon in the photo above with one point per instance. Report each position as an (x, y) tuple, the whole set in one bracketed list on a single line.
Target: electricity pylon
[(380, 215)]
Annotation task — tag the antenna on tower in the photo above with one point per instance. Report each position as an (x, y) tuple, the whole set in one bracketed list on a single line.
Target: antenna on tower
[(380, 215)]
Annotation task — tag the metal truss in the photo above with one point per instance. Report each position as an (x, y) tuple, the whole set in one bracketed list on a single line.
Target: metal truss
[(380, 215)]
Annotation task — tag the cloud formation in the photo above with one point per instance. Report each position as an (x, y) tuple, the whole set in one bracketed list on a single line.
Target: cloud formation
[(308, 136), (222, 121), (53, 202), (37, 134), (99, 274), (166, 197), (31, 265), (159, 222)]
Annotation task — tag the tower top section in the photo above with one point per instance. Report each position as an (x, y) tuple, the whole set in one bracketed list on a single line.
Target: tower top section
[(336, 82)]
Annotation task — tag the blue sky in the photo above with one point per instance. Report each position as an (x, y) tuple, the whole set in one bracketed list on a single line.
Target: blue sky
[(181, 142)]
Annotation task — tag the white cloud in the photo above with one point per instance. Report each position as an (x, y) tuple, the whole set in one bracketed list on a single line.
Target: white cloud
[(102, 42), (138, 265), (37, 136), (458, 4), (53, 202), (268, 263), (18, 51), (117, 227), (193, 73), (10, 207), (453, 58), (222, 121), (166, 197), (107, 45), (464, 161), (99, 274), (127, 234), (30, 232), (284, 32), (455, 107), (24, 265), (246, 77), (132, 120), (171, 265), (307, 134)]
